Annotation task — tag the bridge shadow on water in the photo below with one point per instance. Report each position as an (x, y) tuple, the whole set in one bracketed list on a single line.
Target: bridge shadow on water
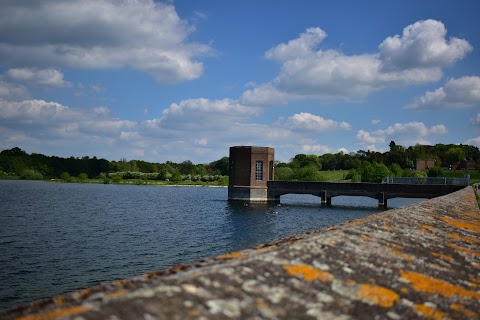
[(251, 224)]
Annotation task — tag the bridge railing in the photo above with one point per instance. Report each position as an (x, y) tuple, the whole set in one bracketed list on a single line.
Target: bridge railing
[(429, 180)]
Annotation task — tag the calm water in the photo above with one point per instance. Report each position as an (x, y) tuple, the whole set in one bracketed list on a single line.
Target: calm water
[(56, 237)]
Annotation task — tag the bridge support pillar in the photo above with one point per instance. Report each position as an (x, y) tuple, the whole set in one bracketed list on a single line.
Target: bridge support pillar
[(382, 200), (326, 200)]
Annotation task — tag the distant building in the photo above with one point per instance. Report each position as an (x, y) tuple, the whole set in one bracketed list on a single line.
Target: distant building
[(465, 165), (424, 164)]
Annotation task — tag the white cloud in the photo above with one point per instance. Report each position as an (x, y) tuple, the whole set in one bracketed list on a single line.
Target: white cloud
[(409, 133), (475, 120), (196, 129), (52, 121), (12, 91), (40, 77), (422, 45), (315, 149), (376, 121), (204, 113), (456, 93), (343, 150), (308, 121), (302, 46), (473, 142), (92, 34), (306, 72)]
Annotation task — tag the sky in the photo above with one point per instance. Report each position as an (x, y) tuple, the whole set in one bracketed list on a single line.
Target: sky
[(185, 80)]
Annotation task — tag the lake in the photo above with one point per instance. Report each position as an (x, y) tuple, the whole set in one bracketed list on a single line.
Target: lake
[(58, 237)]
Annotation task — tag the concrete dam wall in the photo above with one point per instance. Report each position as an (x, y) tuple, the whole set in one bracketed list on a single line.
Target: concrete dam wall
[(417, 262)]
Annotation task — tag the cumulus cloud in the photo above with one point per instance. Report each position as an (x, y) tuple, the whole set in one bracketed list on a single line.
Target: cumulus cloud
[(12, 91), (145, 35), (456, 93), (203, 113), (416, 57), (409, 133), (40, 77), (475, 120), (473, 142), (39, 119), (422, 45), (315, 149), (311, 122)]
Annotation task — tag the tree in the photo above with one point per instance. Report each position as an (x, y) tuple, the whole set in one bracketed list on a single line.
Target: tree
[(221, 166), (65, 176), (396, 170), (283, 173), (83, 177), (454, 155)]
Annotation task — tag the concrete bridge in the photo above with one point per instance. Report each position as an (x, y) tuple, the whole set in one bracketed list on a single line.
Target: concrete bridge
[(381, 191), (252, 172)]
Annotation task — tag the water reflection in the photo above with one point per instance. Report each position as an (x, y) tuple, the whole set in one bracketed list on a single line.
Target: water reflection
[(250, 221)]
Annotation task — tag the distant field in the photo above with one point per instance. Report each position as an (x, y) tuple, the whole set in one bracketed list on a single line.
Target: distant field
[(334, 175)]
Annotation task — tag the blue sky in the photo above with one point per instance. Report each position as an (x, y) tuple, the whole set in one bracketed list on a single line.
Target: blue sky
[(185, 80)]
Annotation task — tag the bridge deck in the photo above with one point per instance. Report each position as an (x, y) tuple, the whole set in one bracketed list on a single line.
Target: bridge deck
[(380, 191)]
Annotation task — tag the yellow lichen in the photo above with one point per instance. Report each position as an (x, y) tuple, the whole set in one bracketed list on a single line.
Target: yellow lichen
[(401, 254), (396, 245), (366, 238), (65, 312), (466, 213), (265, 248), (261, 303), (445, 257), (423, 283), (308, 273), (463, 238), (429, 312), (193, 313), (82, 293), (389, 228), (427, 226), (466, 312), (232, 255), (116, 294), (404, 290), (462, 223), (380, 296), (462, 249), (58, 300), (424, 231)]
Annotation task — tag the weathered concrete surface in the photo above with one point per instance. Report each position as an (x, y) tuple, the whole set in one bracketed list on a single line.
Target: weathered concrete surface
[(422, 261)]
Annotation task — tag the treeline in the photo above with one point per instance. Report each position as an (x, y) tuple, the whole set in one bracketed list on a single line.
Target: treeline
[(17, 163), (366, 166), (372, 166)]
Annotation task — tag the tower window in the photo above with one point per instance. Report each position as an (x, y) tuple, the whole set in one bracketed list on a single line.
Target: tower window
[(259, 170)]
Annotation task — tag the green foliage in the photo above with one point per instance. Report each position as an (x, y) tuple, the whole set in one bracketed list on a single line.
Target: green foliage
[(396, 170), (308, 173), (65, 176), (435, 172), (374, 172), (29, 174), (221, 167), (176, 177), (83, 177), (454, 155), (283, 173)]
